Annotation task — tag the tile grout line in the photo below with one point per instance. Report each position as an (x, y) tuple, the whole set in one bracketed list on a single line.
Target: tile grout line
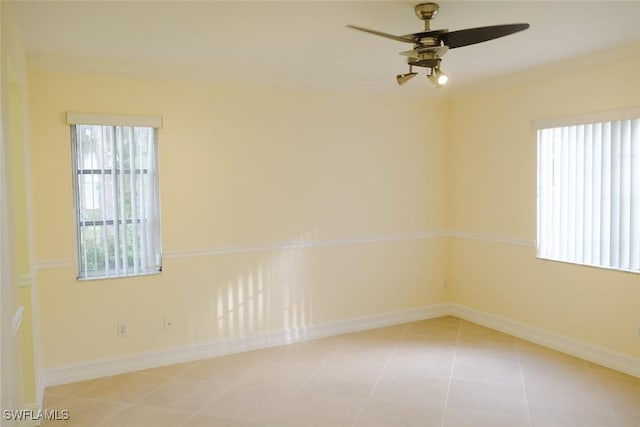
[(226, 389), (524, 387), (305, 382), (262, 361), (126, 405), (386, 365), (134, 402), (603, 393), (77, 395), (194, 413), (199, 362), (453, 365)]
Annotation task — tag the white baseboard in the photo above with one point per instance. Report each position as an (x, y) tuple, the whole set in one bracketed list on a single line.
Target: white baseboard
[(589, 352), (134, 362)]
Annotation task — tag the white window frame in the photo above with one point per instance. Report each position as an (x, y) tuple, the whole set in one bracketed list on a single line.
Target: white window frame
[(144, 262), (588, 199)]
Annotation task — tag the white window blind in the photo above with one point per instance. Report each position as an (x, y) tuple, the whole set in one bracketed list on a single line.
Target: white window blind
[(589, 193), (117, 200)]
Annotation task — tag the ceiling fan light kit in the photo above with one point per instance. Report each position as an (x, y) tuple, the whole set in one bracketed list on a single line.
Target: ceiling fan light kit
[(429, 46), (438, 78), (403, 78)]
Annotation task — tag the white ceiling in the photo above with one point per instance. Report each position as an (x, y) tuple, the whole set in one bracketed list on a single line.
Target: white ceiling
[(306, 42)]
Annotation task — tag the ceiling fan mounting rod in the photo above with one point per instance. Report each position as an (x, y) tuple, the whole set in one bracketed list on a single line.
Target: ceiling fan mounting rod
[(426, 12)]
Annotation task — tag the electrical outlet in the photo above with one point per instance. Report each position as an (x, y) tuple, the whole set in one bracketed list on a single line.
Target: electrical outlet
[(123, 329), (445, 284)]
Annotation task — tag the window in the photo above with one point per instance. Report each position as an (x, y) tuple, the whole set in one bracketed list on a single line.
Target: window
[(116, 196), (589, 190)]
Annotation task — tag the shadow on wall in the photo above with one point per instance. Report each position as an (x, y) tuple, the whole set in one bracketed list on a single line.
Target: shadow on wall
[(273, 295)]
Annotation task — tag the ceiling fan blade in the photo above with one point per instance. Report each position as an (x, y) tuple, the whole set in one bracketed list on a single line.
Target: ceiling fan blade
[(417, 36), (381, 34), (471, 36)]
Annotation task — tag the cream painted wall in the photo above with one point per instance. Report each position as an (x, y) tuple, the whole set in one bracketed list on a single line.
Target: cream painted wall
[(244, 170), (491, 183)]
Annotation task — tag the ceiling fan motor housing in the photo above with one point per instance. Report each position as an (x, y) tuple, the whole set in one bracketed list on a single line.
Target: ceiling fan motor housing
[(427, 62), (426, 11)]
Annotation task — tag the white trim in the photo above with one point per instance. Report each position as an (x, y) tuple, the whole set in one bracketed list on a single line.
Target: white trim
[(494, 239), (305, 244), (599, 355), (582, 119), (50, 264), (25, 280), (601, 267), (133, 362), (16, 321), (294, 244), (113, 120), (545, 72)]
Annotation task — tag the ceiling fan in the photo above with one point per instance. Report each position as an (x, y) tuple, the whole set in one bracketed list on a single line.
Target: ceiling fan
[(429, 46)]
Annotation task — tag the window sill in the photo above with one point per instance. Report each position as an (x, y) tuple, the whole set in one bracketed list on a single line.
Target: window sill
[(128, 276), (599, 267)]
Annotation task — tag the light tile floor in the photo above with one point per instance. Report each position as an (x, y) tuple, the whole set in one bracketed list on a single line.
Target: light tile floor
[(439, 372)]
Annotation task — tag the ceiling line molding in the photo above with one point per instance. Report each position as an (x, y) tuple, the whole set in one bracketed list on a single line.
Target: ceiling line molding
[(184, 72), (549, 71)]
